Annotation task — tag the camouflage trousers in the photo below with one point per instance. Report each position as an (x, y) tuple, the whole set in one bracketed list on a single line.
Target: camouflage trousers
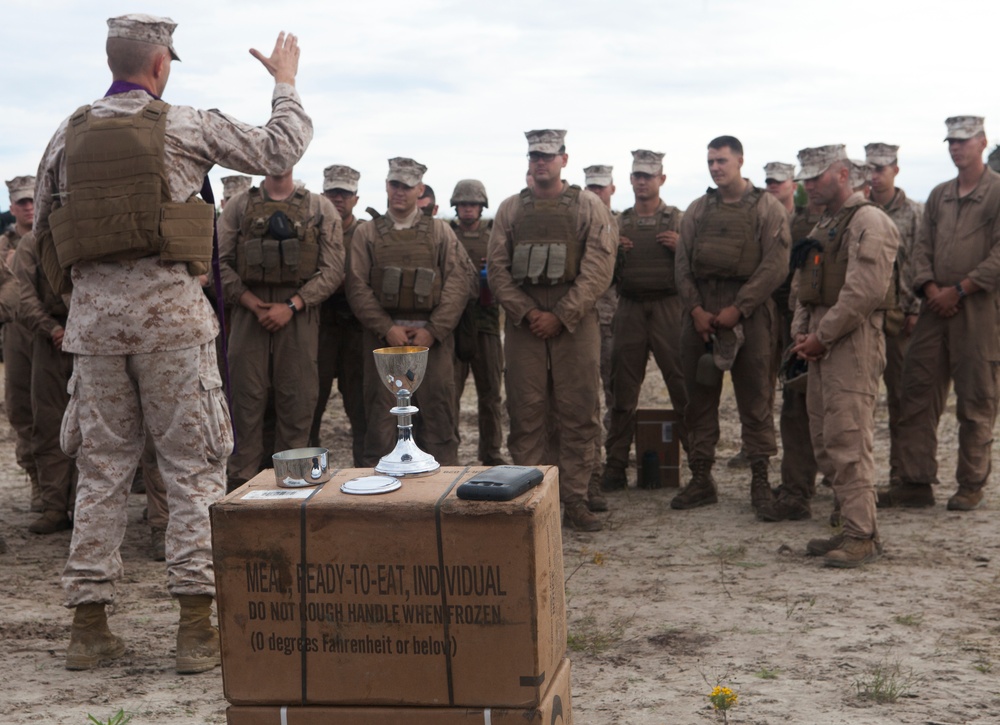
[(178, 395), (50, 373), (17, 353)]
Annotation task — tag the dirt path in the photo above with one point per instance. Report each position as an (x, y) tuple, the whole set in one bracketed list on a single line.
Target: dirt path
[(662, 605)]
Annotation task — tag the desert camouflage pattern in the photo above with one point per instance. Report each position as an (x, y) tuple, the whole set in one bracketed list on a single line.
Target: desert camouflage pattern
[(145, 29), (814, 161), (21, 187), (546, 140), (598, 175), (963, 127), (645, 161), (843, 385), (779, 171), (881, 154), (233, 185), (406, 171), (165, 307), (338, 176), (184, 409)]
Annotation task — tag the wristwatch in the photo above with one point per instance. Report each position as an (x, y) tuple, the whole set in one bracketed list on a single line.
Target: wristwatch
[(961, 292), (291, 305)]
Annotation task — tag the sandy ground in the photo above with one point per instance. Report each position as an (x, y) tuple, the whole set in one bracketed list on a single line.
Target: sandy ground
[(662, 605)]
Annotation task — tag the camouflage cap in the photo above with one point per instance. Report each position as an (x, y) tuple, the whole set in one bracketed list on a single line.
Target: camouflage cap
[(233, 185), (726, 343), (470, 191), (598, 175), (963, 127), (814, 161), (881, 154), (647, 162), (145, 29), (338, 176), (21, 187), (779, 171), (546, 140), (861, 174), (406, 171)]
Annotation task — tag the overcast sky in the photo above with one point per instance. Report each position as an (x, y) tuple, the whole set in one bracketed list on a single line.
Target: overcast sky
[(455, 84)]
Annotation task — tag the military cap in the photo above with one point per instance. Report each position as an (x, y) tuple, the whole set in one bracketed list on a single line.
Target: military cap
[(647, 162), (341, 177), (546, 140), (145, 29), (881, 154), (726, 344), (233, 185), (779, 171), (21, 187), (598, 175), (470, 191), (963, 127), (861, 174), (814, 161), (405, 171)]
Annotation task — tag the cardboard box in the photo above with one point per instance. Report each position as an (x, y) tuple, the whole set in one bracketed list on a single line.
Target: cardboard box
[(413, 597), (554, 709), (657, 434)]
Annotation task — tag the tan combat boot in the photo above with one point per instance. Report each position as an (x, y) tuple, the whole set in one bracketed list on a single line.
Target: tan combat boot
[(198, 648), (595, 497), (852, 553), (90, 640), (700, 490), (50, 522), (965, 499), (906, 495), (577, 516)]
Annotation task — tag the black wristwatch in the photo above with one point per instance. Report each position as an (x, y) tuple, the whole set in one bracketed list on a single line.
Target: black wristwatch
[(961, 292), (291, 305)]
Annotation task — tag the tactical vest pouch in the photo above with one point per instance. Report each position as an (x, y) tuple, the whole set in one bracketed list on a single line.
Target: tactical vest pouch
[(186, 230), (536, 261), (811, 277), (556, 268), (519, 262), (270, 255), (392, 280), (290, 254), (251, 258), (423, 288)]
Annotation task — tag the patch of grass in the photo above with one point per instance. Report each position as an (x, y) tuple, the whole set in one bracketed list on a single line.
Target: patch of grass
[(886, 683), (792, 605), (983, 665), (909, 620), (593, 639), (767, 673), (119, 718)]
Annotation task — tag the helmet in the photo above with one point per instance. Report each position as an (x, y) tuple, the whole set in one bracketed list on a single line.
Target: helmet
[(470, 191), (794, 371)]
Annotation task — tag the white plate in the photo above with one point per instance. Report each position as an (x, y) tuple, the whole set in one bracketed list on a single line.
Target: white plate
[(370, 485)]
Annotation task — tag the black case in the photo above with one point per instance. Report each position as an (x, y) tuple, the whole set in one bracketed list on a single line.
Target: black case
[(500, 483)]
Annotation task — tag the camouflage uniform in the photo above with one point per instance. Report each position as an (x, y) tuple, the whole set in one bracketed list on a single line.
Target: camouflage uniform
[(843, 385), (487, 365), (41, 312), (284, 361), (341, 356), (644, 322), (751, 370), (17, 351), (143, 337), (559, 374), (434, 425), (959, 238)]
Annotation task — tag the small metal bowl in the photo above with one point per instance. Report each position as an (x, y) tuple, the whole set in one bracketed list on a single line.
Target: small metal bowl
[(301, 467)]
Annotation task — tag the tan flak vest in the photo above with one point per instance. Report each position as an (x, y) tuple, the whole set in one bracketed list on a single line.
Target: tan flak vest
[(547, 249), (475, 242), (726, 244), (262, 259), (648, 269), (118, 202), (405, 276), (825, 269)]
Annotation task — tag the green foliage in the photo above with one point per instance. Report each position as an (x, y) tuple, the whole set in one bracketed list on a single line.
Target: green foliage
[(119, 718)]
